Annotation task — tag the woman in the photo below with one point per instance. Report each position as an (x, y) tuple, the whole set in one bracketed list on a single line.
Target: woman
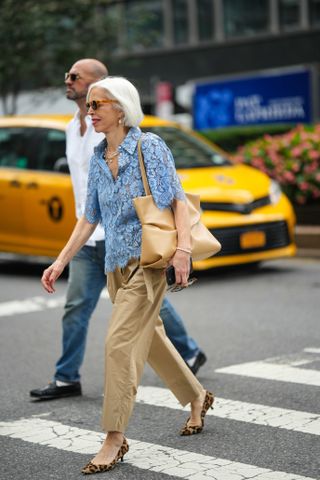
[(135, 333)]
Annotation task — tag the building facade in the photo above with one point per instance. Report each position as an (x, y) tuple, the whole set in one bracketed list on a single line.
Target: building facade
[(178, 41)]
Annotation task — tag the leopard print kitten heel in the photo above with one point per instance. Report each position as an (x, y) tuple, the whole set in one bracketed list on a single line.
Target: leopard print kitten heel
[(193, 429), (93, 468)]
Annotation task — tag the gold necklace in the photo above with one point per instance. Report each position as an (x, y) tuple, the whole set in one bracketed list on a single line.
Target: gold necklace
[(109, 158)]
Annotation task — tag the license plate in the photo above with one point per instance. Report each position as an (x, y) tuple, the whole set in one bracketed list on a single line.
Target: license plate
[(252, 240)]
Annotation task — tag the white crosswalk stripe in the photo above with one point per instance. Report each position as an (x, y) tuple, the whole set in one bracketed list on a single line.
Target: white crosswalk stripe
[(282, 369), (311, 350), (35, 304), (241, 411), (146, 456), (279, 373)]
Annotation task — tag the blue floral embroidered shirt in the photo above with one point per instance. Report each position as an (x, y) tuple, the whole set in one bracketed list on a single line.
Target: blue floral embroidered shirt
[(110, 201)]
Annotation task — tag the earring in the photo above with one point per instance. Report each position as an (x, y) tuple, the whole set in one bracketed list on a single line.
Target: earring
[(120, 121)]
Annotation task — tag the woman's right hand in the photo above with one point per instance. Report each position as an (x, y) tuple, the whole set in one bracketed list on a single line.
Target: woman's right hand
[(181, 264), (51, 274)]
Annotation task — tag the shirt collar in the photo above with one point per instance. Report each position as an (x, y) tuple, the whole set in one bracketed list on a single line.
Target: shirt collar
[(131, 140), (129, 143)]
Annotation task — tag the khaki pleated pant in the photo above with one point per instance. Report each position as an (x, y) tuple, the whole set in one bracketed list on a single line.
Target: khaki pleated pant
[(135, 336)]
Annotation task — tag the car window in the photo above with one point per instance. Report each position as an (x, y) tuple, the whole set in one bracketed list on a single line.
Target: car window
[(52, 149), (31, 148), (188, 151), (15, 147)]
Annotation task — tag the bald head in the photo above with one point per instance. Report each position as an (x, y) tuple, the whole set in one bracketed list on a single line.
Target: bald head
[(91, 67)]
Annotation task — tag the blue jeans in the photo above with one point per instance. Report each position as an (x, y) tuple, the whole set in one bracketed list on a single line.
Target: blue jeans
[(85, 283), (176, 331)]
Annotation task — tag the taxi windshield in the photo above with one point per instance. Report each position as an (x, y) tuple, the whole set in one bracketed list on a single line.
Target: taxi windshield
[(188, 151)]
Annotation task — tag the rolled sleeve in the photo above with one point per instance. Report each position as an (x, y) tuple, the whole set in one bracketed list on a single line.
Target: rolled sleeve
[(162, 176), (92, 209)]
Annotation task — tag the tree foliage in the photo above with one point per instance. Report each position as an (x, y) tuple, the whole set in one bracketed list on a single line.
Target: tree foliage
[(41, 39)]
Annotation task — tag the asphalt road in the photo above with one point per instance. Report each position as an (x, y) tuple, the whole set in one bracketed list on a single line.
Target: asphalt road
[(265, 424)]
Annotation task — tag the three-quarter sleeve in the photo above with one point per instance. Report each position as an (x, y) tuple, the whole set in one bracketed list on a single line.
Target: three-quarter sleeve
[(162, 176), (92, 209)]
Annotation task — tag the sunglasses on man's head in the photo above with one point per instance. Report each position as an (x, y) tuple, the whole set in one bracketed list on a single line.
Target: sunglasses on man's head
[(95, 104), (73, 76)]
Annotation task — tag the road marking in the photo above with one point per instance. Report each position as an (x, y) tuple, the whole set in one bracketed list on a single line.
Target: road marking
[(279, 373), (312, 350), (294, 420), (35, 304), (282, 369), (143, 455)]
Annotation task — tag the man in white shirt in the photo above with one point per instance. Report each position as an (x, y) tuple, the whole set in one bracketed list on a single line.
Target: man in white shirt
[(86, 270)]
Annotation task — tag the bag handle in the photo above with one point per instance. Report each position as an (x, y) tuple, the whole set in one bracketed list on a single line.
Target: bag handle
[(143, 170)]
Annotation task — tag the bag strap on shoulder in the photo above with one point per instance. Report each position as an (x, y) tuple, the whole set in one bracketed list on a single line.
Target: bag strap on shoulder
[(143, 170)]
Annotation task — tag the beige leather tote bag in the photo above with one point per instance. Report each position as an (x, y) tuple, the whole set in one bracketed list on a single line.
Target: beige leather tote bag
[(159, 234)]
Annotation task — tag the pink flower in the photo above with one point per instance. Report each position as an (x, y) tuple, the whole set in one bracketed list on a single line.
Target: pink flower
[(296, 151), (313, 154), (289, 177), (268, 138), (258, 162), (274, 157), (286, 142), (304, 186), (295, 167), (311, 168), (255, 151), (287, 158)]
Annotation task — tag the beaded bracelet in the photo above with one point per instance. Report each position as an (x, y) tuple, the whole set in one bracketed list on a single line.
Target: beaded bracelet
[(186, 250)]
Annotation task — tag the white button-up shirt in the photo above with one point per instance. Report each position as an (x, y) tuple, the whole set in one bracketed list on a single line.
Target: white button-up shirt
[(79, 150)]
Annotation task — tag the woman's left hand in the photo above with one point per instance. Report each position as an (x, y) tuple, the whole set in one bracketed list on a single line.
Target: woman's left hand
[(181, 264)]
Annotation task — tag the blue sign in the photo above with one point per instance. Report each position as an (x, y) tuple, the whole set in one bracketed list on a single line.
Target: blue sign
[(276, 98)]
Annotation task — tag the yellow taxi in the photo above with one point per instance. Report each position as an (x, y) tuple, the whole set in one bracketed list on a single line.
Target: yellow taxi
[(244, 209)]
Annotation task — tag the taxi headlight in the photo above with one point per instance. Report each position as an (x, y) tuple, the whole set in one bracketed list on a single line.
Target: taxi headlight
[(274, 192)]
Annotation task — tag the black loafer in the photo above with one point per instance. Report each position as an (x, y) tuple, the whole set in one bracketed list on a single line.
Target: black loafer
[(199, 361), (52, 391)]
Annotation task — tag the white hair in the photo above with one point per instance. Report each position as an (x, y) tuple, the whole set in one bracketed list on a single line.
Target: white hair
[(127, 96)]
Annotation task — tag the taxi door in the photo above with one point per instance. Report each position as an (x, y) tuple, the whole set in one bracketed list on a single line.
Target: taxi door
[(13, 160), (48, 197), (13, 228), (49, 211)]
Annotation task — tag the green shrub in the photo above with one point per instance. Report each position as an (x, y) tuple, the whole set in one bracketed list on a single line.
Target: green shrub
[(229, 139), (293, 159)]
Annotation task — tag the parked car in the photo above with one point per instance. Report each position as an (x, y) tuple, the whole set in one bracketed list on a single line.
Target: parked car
[(244, 208)]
